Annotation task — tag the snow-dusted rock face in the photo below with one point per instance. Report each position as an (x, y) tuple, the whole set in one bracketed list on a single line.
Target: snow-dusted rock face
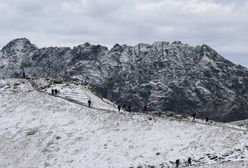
[(175, 77), (13, 57)]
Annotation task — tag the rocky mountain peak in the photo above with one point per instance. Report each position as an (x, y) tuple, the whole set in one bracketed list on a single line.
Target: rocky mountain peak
[(19, 42), (19, 45), (176, 77), (118, 48), (177, 43)]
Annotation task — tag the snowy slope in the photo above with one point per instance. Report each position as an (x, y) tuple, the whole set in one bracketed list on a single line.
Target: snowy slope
[(241, 123), (41, 130)]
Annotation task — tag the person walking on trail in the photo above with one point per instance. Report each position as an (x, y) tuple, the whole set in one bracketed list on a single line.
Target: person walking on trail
[(52, 92), (119, 108), (145, 108), (124, 107), (89, 103), (193, 120), (177, 163), (189, 161), (56, 91), (207, 120), (129, 108), (23, 75)]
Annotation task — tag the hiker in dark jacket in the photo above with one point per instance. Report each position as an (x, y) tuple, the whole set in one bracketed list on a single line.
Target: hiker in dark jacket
[(193, 115), (145, 108), (207, 120), (124, 107), (56, 91), (119, 108), (189, 161), (52, 92), (177, 162), (89, 102), (23, 75), (129, 108)]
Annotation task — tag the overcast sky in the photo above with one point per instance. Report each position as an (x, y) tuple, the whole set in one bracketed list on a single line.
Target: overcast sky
[(222, 24)]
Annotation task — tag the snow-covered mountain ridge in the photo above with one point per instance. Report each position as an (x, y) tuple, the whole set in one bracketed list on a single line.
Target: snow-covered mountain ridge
[(38, 130), (167, 76)]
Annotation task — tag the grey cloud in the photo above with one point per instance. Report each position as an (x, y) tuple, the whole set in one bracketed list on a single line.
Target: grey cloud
[(220, 23)]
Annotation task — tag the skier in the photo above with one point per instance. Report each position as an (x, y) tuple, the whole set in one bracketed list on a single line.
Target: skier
[(89, 102), (193, 120), (189, 161), (52, 92), (177, 162), (119, 108)]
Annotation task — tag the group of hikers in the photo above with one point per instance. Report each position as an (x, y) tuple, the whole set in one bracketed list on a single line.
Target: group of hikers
[(119, 106), (55, 91), (189, 162), (145, 110), (128, 108)]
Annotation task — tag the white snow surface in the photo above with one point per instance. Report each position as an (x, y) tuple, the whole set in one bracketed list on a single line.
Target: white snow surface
[(38, 130)]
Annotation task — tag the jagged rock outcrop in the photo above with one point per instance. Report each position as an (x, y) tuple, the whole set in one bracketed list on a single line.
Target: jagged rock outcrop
[(13, 57), (175, 77)]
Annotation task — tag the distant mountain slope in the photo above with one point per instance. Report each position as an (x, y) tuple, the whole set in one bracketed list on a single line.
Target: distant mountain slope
[(39, 130), (168, 76)]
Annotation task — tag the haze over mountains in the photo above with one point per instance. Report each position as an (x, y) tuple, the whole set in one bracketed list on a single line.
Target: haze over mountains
[(165, 76)]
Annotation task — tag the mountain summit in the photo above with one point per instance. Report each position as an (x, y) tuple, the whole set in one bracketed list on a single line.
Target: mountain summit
[(165, 76)]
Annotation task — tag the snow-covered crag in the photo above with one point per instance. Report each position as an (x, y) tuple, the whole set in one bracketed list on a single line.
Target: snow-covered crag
[(168, 76)]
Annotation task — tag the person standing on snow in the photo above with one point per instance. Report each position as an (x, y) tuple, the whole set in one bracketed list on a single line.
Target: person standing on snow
[(189, 161), (23, 75), (119, 108), (207, 120), (145, 108), (193, 120), (129, 108), (124, 107), (89, 103), (177, 162), (56, 91)]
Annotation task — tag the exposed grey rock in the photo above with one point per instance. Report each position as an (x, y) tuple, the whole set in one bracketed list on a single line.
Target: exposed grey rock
[(175, 77), (32, 132)]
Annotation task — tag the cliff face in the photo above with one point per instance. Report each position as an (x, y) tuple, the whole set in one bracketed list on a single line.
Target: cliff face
[(168, 76)]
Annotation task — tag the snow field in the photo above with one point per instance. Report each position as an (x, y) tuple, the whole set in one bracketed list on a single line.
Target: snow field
[(39, 130)]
